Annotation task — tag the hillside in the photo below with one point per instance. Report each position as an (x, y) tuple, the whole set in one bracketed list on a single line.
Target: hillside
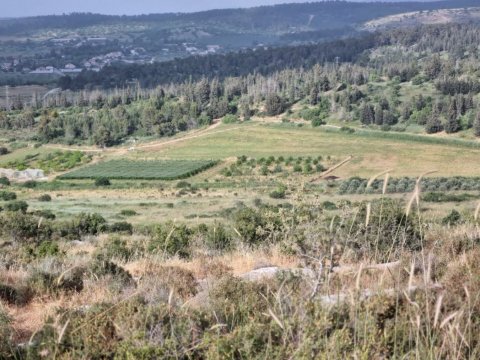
[(422, 18), (266, 19), (310, 201)]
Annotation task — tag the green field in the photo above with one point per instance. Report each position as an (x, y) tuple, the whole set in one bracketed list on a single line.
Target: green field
[(147, 170)]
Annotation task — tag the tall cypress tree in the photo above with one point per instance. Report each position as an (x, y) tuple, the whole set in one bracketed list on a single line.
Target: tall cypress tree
[(366, 114), (476, 125), (314, 95), (451, 123), (434, 125), (378, 114)]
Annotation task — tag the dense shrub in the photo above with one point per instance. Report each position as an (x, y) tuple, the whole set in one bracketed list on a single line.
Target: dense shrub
[(217, 237), (4, 181), (101, 267), (23, 228), (18, 145), (452, 219), (48, 248), (128, 213), (246, 221), (238, 301), (356, 185), (46, 214), (45, 198), (183, 185), (102, 181), (7, 195), (389, 230), (171, 239), (229, 119), (12, 296), (441, 197), (120, 227), (54, 283), (21, 206), (116, 248), (3, 151), (29, 184), (278, 194)]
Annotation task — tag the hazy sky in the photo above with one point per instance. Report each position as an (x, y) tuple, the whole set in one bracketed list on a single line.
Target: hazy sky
[(119, 7)]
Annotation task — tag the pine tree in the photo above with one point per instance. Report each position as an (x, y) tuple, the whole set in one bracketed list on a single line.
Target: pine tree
[(378, 115), (366, 114), (36, 100), (434, 125), (274, 104), (476, 125), (245, 110), (202, 92), (314, 96), (18, 103), (63, 99), (387, 117), (451, 123), (406, 113)]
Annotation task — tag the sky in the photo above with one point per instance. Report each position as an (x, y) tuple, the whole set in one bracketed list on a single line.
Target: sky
[(121, 7)]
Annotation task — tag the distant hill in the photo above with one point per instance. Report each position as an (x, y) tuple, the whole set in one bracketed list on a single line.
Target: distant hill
[(422, 18), (277, 19)]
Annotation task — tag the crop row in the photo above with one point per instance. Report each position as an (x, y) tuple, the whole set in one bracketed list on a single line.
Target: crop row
[(141, 170)]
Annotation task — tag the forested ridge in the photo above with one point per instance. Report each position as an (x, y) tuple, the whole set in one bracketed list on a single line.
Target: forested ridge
[(453, 38), (325, 14)]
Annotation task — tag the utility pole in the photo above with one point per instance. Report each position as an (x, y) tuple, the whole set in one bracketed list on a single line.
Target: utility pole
[(8, 99)]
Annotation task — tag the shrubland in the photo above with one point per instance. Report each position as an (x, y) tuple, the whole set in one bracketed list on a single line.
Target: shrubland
[(372, 278)]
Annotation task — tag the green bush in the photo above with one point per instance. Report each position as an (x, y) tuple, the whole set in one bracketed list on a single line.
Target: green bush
[(29, 184), (3, 151), (121, 227), (48, 248), (101, 267), (7, 196), (13, 206), (49, 283), (4, 181), (347, 130), (45, 198), (171, 239), (297, 168), (441, 197), (12, 296), (452, 219), (307, 169), (183, 185), (116, 248), (278, 194), (128, 213), (216, 237), (46, 214), (328, 205), (246, 221), (102, 181), (229, 119), (18, 145)]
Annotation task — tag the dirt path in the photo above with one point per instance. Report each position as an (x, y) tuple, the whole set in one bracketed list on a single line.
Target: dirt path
[(201, 133), (193, 137), (69, 149)]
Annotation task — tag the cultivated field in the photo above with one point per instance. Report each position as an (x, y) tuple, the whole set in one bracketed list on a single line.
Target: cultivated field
[(150, 170), (372, 154)]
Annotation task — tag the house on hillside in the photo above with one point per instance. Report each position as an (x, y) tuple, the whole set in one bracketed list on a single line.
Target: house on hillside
[(70, 66)]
